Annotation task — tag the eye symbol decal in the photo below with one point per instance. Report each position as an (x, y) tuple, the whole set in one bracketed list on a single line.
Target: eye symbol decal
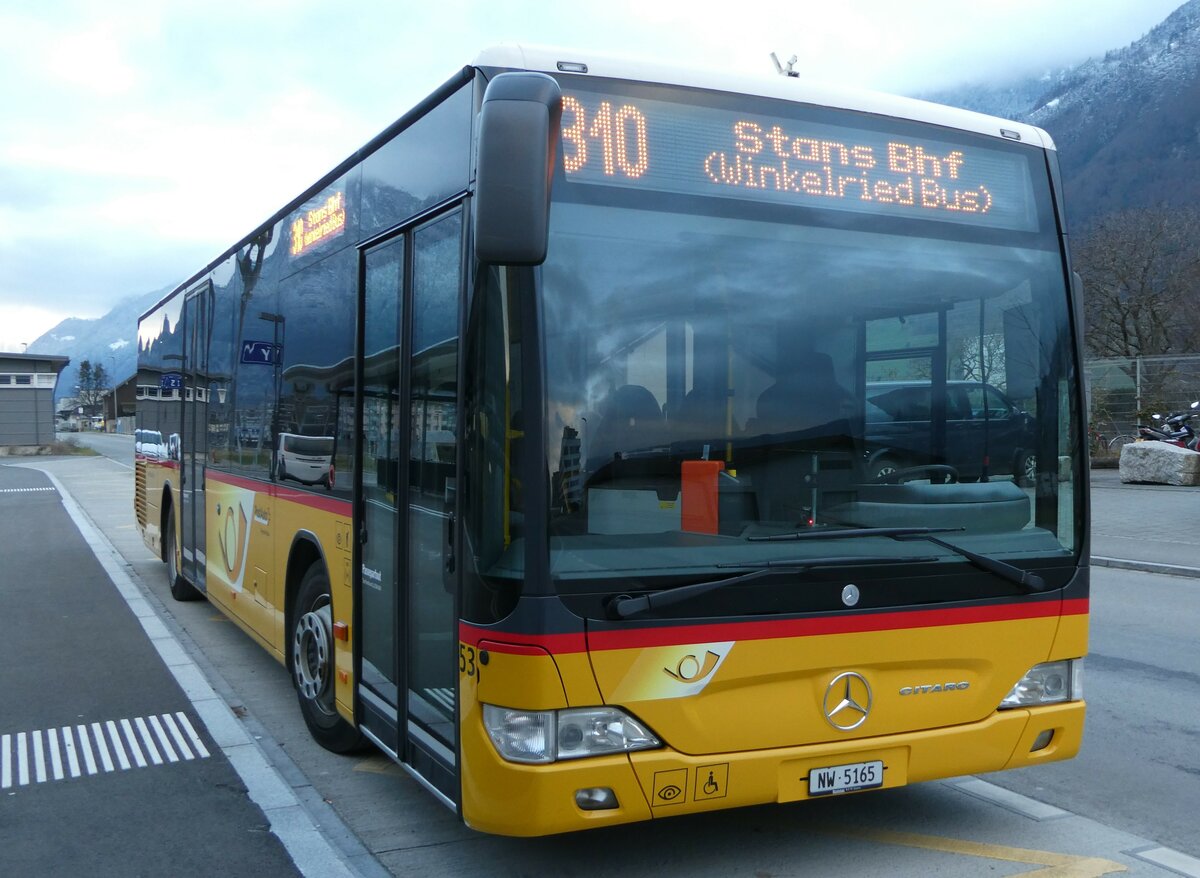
[(669, 792)]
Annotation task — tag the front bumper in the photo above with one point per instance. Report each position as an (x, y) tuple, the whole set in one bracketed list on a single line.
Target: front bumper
[(523, 800)]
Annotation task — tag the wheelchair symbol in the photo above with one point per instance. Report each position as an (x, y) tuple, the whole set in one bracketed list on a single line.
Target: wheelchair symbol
[(712, 781)]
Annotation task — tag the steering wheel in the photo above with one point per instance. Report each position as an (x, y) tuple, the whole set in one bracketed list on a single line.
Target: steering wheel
[(908, 473)]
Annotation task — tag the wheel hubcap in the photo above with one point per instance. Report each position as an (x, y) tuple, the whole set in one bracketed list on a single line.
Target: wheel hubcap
[(311, 656)]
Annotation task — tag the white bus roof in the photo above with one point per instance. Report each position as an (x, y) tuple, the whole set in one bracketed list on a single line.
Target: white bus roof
[(789, 88)]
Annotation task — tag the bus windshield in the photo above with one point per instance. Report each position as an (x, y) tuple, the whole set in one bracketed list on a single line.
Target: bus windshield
[(722, 373)]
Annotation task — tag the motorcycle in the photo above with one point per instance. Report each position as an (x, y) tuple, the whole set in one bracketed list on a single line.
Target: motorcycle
[(1175, 428)]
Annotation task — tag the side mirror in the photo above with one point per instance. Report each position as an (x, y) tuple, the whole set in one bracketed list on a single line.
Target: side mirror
[(518, 141)]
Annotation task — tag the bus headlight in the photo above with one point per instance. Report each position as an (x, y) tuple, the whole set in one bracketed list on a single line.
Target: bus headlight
[(539, 736), (1047, 683)]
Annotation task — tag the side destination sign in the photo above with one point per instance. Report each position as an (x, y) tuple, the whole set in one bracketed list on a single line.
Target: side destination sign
[(697, 150)]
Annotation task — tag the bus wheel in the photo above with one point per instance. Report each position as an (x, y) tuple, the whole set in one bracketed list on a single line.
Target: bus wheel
[(313, 665), (181, 589)]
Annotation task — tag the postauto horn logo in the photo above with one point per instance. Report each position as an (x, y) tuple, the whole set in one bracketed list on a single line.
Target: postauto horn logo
[(232, 537)]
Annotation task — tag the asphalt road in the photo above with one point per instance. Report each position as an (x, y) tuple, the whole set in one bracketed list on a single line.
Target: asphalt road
[(1139, 768), (115, 446), (1133, 789), (105, 767)]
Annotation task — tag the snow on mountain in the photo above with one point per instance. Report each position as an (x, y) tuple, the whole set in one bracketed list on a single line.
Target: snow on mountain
[(1127, 125), (103, 340)]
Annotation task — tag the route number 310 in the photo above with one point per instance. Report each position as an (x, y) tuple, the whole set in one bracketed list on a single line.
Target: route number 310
[(619, 135)]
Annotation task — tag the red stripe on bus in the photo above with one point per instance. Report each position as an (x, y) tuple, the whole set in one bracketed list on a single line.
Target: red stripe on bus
[(313, 501), (237, 481), (513, 642), (152, 461), (511, 648), (842, 624), (635, 638)]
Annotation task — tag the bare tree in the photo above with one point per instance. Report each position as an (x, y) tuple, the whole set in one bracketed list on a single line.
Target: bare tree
[(1141, 275), (970, 353)]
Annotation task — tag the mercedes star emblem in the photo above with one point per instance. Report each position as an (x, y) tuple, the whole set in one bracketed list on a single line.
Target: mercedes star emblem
[(847, 701)]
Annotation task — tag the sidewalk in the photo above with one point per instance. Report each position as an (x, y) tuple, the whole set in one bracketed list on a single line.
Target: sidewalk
[(1145, 527)]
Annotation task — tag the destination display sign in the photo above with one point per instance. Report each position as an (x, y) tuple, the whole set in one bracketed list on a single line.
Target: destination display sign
[(317, 222), (696, 150)]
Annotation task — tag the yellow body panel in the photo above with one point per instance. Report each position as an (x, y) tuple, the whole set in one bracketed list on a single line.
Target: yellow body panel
[(527, 682), (250, 530), (743, 722), (1071, 639), (524, 800), (152, 477), (759, 694), (250, 536)]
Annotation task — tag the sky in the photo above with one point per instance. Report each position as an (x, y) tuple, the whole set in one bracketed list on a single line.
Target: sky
[(140, 139)]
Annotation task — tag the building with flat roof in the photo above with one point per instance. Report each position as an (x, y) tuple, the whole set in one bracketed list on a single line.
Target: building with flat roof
[(27, 398)]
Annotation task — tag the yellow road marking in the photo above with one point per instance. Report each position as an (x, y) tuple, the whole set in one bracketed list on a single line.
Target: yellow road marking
[(1057, 865), (379, 765)]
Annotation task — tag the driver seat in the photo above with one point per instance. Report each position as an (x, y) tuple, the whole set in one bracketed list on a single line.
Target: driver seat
[(631, 420)]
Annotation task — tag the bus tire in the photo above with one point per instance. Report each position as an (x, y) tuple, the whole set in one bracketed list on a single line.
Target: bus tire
[(181, 589), (312, 664)]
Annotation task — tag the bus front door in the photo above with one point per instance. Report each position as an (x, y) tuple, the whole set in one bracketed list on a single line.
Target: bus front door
[(409, 311)]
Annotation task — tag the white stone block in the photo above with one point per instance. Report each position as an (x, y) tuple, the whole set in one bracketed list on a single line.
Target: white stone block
[(1159, 463)]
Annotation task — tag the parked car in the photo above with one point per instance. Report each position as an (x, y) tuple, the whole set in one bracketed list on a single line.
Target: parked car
[(305, 459), (149, 443), (980, 421)]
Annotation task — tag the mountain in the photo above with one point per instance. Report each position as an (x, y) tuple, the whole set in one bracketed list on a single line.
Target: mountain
[(1013, 99), (109, 341), (1127, 125)]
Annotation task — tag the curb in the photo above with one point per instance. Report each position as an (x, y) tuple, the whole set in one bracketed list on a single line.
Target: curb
[(1147, 567)]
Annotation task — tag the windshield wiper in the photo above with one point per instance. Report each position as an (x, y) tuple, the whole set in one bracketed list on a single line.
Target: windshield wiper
[(625, 606), (1029, 581)]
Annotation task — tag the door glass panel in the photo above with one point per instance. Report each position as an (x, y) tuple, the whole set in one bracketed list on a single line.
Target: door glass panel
[(195, 431), (187, 532), (380, 430), (432, 442)]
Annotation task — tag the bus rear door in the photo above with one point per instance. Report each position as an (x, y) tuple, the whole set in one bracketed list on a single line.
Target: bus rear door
[(197, 317)]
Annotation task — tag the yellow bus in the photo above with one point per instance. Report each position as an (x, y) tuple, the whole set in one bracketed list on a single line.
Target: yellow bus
[(532, 439)]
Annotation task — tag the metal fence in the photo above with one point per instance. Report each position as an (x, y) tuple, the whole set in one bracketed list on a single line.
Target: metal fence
[(1123, 393)]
